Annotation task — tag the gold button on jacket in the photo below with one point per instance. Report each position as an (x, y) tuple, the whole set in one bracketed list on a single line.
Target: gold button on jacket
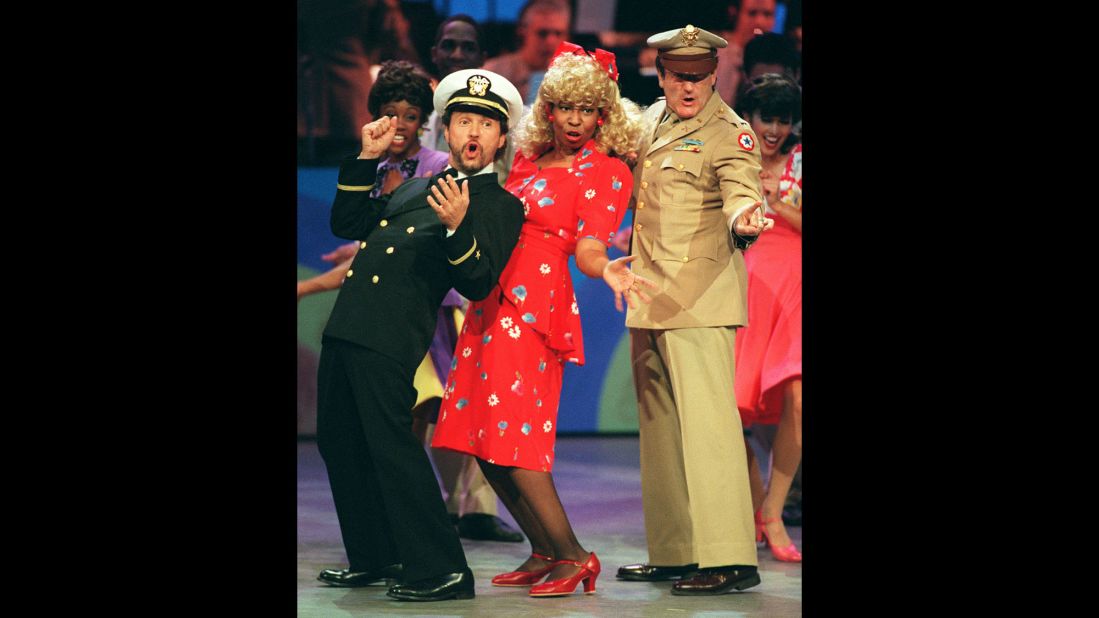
[(391, 303)]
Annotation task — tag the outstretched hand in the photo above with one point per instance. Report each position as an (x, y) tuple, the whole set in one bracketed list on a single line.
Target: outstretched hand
[(450, 203), (341, 253), (377, 136), (752, 222), (622, 280)]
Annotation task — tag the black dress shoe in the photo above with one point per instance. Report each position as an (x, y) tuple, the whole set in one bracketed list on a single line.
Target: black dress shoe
[(354, 579), (439, 588), (485, 527), (650, 573), (717, 580)]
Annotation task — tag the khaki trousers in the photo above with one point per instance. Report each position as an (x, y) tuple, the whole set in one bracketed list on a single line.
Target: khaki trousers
[(694, 470)]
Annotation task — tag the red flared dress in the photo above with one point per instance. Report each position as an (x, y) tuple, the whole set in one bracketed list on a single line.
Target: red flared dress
[(768, 350), (501, 397)]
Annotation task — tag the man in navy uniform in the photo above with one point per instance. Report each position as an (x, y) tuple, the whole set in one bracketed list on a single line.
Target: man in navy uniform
[(454, 230)]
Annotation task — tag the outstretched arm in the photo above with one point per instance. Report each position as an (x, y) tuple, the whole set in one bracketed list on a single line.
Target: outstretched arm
[(325, 281), (592, 260)]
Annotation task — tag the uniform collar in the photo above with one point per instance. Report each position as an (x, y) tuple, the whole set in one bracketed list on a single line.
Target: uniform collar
[(685, 127), (488, 169)]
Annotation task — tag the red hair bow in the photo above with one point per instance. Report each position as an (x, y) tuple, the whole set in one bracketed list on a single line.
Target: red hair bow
[(602, 56)]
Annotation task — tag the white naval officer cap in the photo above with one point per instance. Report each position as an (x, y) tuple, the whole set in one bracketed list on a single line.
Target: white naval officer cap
[(480, 89)]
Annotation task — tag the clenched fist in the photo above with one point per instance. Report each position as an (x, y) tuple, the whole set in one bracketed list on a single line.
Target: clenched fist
[(377, 136)]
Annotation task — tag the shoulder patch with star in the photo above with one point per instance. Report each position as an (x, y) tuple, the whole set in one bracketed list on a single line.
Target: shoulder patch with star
[(746, 142)]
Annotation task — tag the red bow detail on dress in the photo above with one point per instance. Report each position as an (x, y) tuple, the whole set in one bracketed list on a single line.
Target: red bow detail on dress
[(602, 56)]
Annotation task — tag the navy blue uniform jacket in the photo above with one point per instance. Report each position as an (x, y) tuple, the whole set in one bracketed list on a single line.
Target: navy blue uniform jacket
[(390, 298)]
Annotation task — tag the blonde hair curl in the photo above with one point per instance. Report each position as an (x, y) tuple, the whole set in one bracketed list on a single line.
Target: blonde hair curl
[(580, 81)]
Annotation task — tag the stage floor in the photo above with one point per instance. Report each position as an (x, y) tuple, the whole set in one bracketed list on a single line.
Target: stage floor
[(599, 481)]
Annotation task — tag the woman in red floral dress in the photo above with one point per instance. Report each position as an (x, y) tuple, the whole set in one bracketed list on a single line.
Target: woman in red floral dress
[(501, 398)]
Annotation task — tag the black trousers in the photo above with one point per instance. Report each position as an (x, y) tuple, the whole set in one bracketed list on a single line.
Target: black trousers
[(387, 499)]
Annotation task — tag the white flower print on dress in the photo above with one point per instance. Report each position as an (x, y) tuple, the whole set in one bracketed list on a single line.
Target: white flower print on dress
[(506, 322), (575, 309), (466, 352), (544, 269), (493, 399), (547, 426), (514, 332), (590, 193)]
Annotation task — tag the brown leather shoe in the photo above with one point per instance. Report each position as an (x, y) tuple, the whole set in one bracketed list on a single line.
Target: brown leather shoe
[(653, 573), (717, 580)]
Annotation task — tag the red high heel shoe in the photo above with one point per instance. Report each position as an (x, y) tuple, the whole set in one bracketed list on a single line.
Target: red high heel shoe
[(565, 586), (520, 579), (788, 553)]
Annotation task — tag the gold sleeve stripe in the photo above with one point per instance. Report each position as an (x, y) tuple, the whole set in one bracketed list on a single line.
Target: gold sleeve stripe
[(464, 257), (354, 187)]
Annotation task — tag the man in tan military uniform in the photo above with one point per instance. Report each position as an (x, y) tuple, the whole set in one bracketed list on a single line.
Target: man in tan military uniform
[(696, 193)]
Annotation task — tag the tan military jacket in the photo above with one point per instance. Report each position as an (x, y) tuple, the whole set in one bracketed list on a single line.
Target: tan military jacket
[(687, 187)]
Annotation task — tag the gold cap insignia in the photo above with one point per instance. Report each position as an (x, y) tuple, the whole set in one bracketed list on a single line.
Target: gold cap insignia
[(478, 85), (689, 34)]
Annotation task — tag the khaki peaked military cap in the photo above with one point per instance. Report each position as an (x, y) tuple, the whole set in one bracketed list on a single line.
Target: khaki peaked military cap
[(688, 50)]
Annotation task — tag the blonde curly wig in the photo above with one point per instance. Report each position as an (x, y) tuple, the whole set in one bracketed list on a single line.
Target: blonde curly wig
[(579, 80)]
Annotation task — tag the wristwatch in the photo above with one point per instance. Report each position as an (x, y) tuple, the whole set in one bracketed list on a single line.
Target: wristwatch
[(743, 242)]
